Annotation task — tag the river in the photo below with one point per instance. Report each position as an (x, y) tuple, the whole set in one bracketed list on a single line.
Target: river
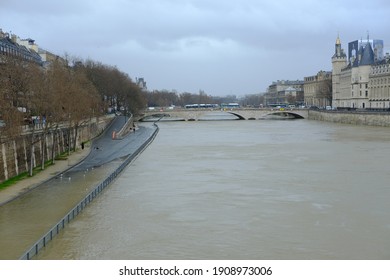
[(243, 190)]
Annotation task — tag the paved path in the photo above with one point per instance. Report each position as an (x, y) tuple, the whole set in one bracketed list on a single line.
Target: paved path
[(103, 150), (106, 149)]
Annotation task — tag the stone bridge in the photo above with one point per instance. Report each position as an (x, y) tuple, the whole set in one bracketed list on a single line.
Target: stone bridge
[(239, 113)]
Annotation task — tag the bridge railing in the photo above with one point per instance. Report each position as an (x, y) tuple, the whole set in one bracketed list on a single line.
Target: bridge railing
[(76, 210)]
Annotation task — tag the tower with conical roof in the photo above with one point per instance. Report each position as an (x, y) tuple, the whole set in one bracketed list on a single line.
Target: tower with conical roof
[(339, 61), (368, 57)]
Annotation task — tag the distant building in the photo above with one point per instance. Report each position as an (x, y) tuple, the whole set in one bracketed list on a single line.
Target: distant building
[(46, 56), (26, 49), (362, 80), (284, 92), (318, 89), (49, 57), (9, 46), (141, 83)]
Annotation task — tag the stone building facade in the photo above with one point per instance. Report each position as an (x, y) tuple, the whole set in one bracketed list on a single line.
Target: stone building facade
[(379, 85), (284, 92), (318, 89)]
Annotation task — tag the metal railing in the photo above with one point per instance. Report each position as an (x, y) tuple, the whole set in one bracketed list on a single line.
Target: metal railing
[(72, 214)]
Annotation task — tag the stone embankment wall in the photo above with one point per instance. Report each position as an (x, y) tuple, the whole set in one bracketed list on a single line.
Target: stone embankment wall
[(352, 117), (15, 155)]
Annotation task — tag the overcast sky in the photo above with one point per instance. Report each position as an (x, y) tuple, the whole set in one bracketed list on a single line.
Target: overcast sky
[(219, 46)]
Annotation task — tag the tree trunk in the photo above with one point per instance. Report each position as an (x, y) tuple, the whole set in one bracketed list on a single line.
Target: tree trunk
[(32, 151), (43, 151), (69, 141), (75, 137), (54, 146)]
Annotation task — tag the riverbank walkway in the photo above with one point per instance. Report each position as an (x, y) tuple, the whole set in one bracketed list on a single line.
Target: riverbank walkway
[(32, 206), (100, 151)]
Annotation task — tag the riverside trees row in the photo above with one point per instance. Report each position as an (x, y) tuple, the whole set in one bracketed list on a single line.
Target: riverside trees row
[(65, 93)]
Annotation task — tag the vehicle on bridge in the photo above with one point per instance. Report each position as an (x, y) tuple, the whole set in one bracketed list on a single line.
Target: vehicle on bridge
[(278, 105), (230, 105), (193, 106)]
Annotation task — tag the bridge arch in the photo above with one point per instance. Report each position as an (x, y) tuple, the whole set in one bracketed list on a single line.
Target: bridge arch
[(297, 116), (237, 115), (283, 115)]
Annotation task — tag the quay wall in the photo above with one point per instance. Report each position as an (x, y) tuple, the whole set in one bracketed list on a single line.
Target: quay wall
[(15, 154), (352, 117)]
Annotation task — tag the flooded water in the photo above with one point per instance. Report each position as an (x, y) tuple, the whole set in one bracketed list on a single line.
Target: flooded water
[(24, 220), (243, 190)]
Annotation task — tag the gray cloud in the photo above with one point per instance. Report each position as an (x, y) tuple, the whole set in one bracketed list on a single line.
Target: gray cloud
[(222, 47)]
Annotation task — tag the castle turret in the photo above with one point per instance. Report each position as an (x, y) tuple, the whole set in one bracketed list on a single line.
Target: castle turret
[(339, 61)]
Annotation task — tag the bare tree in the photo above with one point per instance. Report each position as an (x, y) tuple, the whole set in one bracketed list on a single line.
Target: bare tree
[(325, 91), (114, 87), (82, 99), (12, 86), (38, 103), (17, 77)]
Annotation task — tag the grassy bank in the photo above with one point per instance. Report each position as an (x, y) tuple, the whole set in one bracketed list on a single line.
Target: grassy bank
[(36, 170)]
